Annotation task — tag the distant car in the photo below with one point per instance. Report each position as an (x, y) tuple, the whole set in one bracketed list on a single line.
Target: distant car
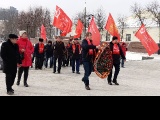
[(1, 61)]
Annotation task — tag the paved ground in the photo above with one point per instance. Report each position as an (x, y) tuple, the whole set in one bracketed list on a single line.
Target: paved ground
[(139, 78)]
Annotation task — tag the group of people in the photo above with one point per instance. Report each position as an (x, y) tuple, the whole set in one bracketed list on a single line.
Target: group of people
[(65, 55), (19, 52)]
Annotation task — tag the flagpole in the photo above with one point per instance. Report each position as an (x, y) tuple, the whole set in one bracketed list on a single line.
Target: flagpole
[(85, 16)]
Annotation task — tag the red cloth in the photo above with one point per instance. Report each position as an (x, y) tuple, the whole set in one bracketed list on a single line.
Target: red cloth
[(62, 21), (43, 33), (74, 47), (29, 49), (41, 48), (79, 29), (91, 52), (146, 40), (96, 36), (116, 50), (124, 49), (112, 28)]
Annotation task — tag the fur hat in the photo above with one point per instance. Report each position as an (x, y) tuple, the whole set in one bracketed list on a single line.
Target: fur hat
[(41, 40), (22, 32), (114, 38), (12, 36)]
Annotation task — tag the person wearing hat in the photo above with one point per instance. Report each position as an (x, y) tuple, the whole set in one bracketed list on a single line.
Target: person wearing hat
[(11, 59), (39, 53), (26, 50), (76, 51), (117, 54), (49, 54)]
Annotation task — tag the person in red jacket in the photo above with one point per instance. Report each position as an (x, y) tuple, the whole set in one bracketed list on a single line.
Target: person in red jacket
[(26, 50), (124, 49)]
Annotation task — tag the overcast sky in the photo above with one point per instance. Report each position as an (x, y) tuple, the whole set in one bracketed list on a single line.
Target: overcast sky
[(115, 7)]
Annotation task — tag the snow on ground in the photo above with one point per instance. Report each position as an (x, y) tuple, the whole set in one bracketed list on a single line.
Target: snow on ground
[(138, 78), (132, 56)]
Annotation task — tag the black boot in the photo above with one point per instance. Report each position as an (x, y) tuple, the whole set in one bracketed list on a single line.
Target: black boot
[(18, 82), (26, 85)]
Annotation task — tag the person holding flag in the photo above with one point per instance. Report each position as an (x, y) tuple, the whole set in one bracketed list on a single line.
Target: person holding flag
[(88, 53)]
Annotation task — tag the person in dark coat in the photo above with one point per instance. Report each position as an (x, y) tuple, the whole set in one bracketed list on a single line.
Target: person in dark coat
[(117, 53), (124, 49), (88, 53), (11, 58), (39, 53), (76, 51), (58, 52), (49, 54), (69, 52)]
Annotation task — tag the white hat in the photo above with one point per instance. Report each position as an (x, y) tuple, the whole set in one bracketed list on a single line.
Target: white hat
[(22, 32)]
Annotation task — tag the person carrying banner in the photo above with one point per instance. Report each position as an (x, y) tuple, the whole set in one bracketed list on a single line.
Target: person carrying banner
[(88, 53)]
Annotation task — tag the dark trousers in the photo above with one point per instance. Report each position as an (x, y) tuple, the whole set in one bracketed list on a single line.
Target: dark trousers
[(51, 62), (122, 64), (59, 64), (69, 61), (20, 72), (77, 62), (39, 62), (117, 69), (10, 78), (88, 68)]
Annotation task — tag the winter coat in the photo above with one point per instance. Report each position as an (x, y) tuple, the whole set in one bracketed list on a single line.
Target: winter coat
[(49, 51), (124, 49), (58, 49), (10, 56), (29, 50), (76, 55), (85, 51), (36, 51), (116, 57)]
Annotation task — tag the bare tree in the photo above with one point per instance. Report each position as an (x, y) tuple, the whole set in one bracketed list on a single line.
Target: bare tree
[(154, 9), (122, 25), (100, 17), (33, 19), (138, 12)]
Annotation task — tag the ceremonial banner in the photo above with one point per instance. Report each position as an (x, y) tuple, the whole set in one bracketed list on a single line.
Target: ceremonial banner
[(62, 21), (43, 33), (95, 32), (146, 40), (79, 29), (112, 28)]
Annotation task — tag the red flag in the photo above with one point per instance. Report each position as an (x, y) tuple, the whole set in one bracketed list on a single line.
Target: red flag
[(146, 40), (79, 29), (62, 21), (43, 33), (112, 28), (95, 32)]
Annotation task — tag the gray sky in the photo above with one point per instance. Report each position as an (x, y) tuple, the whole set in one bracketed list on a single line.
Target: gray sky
[(115, 7)]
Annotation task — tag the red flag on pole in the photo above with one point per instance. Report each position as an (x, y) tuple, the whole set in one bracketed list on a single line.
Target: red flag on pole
[(112, 28), (146, 40), (43, 33), (95, 32), (62, 21), (79, 29)]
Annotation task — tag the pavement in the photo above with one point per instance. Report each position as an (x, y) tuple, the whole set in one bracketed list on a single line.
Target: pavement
[(139, 78)]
